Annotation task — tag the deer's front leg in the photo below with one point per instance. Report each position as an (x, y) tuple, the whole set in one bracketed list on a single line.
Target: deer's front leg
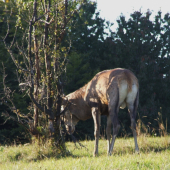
[(96, 118)]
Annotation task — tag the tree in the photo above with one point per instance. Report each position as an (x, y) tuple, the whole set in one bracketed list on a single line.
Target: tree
[(40, 61)]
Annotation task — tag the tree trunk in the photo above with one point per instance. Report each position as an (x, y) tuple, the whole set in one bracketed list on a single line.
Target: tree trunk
[(37, 69), (48, 71)]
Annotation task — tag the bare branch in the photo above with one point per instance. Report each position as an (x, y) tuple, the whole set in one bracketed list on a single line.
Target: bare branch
[(26, 84), (43, 109), (39, 106), (5, 115), (24, 55), (52, 20), (22, 122), (7, 97), (9, 48)]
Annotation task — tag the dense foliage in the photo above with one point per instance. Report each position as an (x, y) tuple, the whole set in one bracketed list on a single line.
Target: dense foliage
[(138, 44)]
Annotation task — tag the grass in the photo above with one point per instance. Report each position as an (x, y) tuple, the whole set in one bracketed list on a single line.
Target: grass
[(154, 154)]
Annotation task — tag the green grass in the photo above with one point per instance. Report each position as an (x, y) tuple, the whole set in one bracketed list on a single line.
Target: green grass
[(154, 154)]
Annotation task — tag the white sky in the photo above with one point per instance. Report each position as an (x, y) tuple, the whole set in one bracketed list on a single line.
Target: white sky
[(111, 9)]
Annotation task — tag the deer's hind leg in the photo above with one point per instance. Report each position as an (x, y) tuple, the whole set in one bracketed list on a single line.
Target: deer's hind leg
[(108, 133), (113, 106), (132, 103)]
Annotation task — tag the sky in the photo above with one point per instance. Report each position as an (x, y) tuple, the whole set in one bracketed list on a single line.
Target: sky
[(111, 9)]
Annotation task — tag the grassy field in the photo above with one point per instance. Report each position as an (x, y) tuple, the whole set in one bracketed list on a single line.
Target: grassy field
[(154, 154)]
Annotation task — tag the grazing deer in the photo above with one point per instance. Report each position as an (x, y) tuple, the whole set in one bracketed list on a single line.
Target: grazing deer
[(108, 91)]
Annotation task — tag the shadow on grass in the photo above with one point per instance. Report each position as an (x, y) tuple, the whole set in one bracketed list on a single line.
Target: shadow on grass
[(154, 149), (23, 155), (42, 156), (143, 149), (39, 154)]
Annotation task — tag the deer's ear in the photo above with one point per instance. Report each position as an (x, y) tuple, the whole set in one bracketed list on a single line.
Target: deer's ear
[(64, 100)]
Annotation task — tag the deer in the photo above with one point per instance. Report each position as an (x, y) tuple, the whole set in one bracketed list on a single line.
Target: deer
[(107, 91)]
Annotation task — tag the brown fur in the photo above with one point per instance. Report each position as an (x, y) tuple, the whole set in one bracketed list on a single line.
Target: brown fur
[(104, 94)]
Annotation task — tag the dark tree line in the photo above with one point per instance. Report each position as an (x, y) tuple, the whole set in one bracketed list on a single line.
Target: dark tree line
[(73, 49), (142, 46)]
